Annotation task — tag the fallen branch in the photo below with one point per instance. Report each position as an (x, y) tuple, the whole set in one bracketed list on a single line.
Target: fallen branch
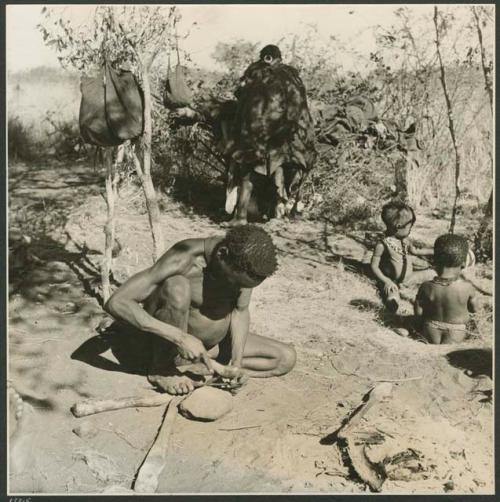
[(392, 380), (372, 397), (92, 406), (355, 454), (147, 477), (241, 428)]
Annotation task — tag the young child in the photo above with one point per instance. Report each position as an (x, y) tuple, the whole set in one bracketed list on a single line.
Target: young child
[(269, 56), (196, 299), (392, 258), (443, 304)]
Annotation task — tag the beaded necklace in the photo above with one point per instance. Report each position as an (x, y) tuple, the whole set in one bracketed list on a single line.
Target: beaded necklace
[(444, 281), (391, 243)]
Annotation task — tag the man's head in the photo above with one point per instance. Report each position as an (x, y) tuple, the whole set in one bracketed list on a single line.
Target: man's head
[(399, 218), (246, 256), (450, 251), (270, 54)]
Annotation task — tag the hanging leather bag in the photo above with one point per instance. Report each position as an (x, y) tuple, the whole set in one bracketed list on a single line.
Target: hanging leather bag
[(112, 107), (176, 93)]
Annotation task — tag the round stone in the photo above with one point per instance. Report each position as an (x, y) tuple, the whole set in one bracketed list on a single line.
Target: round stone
[(207, 404)]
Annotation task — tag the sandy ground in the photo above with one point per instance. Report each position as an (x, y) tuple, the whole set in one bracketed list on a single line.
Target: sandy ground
[(278, 438)]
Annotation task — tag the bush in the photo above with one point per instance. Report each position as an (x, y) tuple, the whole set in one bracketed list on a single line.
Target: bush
[(21, 143)]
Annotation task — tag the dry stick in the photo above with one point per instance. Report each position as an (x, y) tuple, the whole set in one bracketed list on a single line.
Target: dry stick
[(240, 428), (395, 380), (451, 123), (154, 462), (109, 228), (92, 406), (357, 455), (376, 394)]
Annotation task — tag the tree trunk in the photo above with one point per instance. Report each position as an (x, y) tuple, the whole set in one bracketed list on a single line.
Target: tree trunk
[(483, 240), (451, 123), (488, 84), (145, 172), (109, 228)]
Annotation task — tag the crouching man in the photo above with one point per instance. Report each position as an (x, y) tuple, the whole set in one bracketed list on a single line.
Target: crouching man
[(195, 299)]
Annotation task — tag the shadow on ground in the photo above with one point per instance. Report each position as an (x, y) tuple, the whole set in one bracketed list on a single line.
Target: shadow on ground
[(132, 351), (40, 202), (474, 362)]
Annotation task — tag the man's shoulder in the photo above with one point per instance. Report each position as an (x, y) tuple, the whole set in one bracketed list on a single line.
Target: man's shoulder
[(183, 248)]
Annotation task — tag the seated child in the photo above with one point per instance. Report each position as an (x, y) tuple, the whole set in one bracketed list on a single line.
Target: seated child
[(391, 261), (443, 304)]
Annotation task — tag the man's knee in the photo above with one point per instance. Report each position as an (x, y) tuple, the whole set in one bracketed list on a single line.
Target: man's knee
[(287, 360), (176, 293)]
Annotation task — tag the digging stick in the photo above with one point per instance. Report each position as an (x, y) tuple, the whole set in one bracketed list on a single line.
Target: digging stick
[(147, 477)]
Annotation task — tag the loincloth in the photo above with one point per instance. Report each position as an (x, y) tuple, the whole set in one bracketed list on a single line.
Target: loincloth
[(445, 326)]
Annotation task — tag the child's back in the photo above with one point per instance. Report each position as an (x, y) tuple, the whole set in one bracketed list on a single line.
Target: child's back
[(444, 303)]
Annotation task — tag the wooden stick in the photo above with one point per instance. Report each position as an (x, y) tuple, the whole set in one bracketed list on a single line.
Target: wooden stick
[(92, 406), (357, 455), (147, 477), (378, 393)]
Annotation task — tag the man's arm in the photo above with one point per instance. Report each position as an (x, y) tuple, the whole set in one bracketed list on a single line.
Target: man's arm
[(125, 305), (240, 324)]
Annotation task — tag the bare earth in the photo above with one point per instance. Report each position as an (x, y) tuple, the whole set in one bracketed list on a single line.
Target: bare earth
[(276, 437)]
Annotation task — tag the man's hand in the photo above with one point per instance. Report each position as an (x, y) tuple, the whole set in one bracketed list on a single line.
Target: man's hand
[(233, 376), (193, 349), (390, 287)]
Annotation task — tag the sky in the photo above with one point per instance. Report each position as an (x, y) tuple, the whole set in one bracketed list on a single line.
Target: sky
[(216, 23)]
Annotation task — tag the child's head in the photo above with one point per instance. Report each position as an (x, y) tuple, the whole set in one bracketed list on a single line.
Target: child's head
[(398, 218), (450, 251), (270, 54), (246, 256)]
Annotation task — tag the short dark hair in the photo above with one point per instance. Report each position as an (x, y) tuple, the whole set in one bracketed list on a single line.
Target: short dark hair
[(251, 250), (270, 50), (395, 215), (450, 250)]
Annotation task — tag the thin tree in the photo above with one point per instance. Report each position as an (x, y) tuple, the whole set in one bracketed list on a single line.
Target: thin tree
[(439, 27), (130, 36), (488, 85)]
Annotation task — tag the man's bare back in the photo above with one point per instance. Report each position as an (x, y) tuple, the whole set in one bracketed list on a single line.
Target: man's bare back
[(195, 298)]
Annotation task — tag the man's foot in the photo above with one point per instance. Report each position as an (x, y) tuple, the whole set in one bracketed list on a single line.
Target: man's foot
[(175, 384), (234, 222), (20, 432), (403, 332)]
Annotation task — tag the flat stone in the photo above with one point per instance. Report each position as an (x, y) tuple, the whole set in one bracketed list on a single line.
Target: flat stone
[(207, 404)]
